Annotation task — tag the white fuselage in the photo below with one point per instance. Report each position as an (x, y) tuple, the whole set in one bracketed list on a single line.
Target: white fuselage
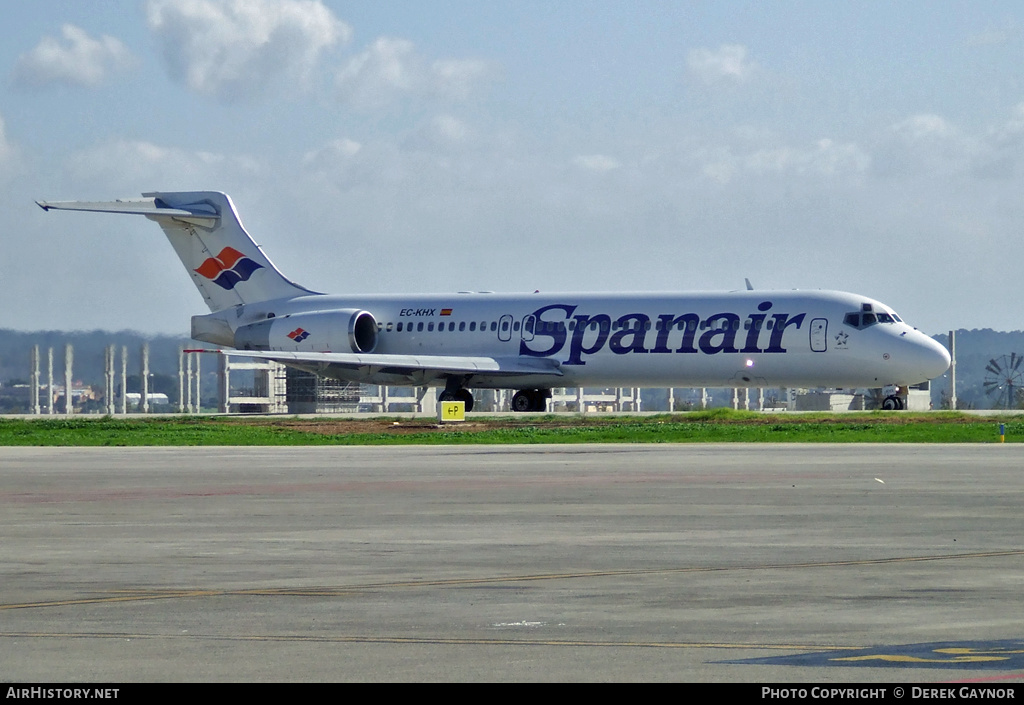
[(735, 339)]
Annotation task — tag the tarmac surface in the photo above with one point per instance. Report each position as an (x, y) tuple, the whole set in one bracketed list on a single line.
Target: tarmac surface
[(752, 563)]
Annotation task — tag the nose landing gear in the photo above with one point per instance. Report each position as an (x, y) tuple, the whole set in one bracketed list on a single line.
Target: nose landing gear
[(896, 398), (892, 403)]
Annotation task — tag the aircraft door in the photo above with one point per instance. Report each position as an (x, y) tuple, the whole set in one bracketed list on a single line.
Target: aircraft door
[(505, 328), (819, 335)]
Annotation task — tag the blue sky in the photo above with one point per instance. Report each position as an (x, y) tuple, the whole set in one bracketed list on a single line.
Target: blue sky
[(874, 147)]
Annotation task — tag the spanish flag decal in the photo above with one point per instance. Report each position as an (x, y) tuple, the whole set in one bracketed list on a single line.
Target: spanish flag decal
[(446, 312)]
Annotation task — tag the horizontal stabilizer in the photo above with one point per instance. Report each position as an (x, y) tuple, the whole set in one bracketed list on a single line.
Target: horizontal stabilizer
[(151, 207), (226, 265)]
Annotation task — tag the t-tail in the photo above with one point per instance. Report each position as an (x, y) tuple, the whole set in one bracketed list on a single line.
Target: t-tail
[(225, 264)]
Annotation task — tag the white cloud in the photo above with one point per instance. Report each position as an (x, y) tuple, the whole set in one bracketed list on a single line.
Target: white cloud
[(923, 127), (1001, 150), (824, 158), (457, 77), (596, 162), (449, 130), (236, 48), (925, 144), (374, 76), (331, 154), (728, 63), (6, 151), (80, 60), (131, 166), (390, 69)]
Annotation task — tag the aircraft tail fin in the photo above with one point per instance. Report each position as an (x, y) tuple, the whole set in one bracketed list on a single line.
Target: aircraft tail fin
[(225, 264)]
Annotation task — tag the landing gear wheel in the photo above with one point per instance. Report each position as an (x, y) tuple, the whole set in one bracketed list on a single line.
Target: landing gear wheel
[(530, 400), (522, 401), (464, 395), (892, 403)]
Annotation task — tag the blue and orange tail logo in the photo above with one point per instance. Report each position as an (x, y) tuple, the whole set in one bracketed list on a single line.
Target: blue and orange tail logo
[(299, 334), (228, 268)]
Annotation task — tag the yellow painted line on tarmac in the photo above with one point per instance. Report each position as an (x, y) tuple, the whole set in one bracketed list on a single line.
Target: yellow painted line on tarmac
[(901, 658)]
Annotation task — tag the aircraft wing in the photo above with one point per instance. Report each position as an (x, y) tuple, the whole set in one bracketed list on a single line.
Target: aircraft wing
[(408, 364)]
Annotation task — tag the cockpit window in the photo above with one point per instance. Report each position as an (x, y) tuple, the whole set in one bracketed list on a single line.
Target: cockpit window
[(868, 318)]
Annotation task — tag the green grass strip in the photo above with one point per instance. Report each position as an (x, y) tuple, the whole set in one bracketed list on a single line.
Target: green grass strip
[(716, 426)]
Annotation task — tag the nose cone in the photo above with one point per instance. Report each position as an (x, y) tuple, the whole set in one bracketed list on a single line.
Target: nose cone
[(930, 359)]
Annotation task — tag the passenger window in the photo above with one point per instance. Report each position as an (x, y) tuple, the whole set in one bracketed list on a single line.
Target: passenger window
[(472, 326), (419, 327), (390, 326), (451, 326), (430, 326), (399, 328), (462, 326)]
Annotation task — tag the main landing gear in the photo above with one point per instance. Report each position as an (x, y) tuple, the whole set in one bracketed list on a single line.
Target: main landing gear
[(461, 394), (531, 400)]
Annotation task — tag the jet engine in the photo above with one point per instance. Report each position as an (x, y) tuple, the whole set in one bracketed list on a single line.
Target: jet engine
[(343, 330)]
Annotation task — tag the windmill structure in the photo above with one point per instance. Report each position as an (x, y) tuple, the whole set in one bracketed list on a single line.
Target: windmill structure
[(1004, 381)]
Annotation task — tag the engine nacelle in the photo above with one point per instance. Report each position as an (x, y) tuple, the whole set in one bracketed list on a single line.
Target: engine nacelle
[(343, 330)]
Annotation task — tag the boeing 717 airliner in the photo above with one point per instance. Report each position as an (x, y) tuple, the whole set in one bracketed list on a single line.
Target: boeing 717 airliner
[(528, 342)]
